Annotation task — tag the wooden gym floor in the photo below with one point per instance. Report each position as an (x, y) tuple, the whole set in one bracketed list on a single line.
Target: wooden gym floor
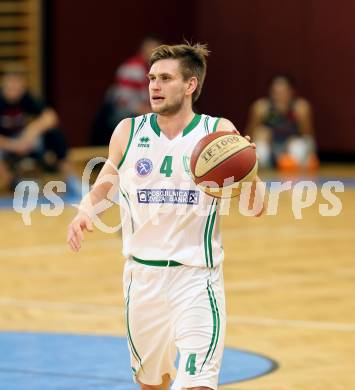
[(290, 287)]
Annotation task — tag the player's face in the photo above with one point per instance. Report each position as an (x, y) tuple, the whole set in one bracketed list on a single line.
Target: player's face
[(167, 88)]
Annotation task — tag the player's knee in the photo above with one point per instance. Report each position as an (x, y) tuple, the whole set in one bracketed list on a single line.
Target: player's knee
[(163, 386)]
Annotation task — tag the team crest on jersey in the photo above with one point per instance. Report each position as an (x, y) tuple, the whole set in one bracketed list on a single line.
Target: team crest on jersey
[(144, 167), (144, 142)]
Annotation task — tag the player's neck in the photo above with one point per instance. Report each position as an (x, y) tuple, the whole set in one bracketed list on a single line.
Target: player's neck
[(172, 125)]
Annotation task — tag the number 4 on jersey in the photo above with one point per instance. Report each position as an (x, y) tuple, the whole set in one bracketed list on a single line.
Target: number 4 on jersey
[(191, 364), (166, 166)]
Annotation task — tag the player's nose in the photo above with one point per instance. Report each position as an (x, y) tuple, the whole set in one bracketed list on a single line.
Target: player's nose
[(155, 85)]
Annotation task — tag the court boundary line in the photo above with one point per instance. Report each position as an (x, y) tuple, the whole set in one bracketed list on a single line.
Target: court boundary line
[(273, 364)]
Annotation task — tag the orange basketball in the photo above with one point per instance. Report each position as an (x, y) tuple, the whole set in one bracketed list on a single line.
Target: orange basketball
[(222, 160)]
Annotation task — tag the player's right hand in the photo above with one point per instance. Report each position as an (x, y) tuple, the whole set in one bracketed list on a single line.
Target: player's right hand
[(75, 230)]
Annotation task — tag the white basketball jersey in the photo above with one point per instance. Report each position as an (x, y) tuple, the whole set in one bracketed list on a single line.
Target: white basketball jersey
[(165, 216)]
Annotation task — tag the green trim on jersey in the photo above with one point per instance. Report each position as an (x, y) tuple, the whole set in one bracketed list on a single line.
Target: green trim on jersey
[(128, 145), (141, 124), (206, 124), (194, 122), (210, 236), (208, 233), (133, 348), (154, 124), (216, 323), (157, 263), (215, 125), (126, 197)]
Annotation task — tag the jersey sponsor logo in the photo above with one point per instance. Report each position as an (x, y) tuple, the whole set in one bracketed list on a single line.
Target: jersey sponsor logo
[(144, 142), (144, 166), (174, 196)]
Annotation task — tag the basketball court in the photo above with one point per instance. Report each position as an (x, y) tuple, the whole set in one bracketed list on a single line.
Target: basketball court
[(290, 299), (289, 275)]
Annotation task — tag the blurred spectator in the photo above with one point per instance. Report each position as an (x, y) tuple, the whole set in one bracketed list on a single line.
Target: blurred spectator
[(128, 96), (28, 129), (282, 127)]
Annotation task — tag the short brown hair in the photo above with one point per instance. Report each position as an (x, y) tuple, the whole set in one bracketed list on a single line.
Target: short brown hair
[(192, 61)]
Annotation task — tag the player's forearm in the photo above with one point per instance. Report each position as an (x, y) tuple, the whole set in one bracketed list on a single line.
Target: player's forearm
[(97, 200)]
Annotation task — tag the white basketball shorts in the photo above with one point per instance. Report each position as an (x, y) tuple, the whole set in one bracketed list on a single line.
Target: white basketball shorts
[(172, 309)]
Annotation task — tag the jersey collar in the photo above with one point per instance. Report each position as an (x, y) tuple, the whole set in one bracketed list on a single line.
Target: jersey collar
[(194, 122)]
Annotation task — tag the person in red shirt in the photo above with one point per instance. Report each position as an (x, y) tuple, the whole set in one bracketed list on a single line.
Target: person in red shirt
[(128, 96), (131, 86)]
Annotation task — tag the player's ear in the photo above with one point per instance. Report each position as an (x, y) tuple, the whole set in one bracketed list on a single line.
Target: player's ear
[(192, 85)]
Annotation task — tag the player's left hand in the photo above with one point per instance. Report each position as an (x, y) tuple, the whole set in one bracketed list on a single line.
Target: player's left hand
[(252, 144)]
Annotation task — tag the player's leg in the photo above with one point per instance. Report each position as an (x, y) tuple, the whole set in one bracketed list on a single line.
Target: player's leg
[(200, 327), (163, 386), (149, 330)]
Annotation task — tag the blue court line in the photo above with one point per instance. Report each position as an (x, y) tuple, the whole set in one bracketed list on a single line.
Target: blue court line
[(7, 203), (62, 374), (72, 195), (52, 361), (71, 198), (348, 182)]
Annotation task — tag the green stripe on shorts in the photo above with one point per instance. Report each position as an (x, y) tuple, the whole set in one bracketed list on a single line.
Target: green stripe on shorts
[(133, 348), (216, 324), (218, 320)]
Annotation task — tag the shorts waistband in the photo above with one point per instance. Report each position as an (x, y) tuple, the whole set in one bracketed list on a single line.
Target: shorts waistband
[(157, 263)]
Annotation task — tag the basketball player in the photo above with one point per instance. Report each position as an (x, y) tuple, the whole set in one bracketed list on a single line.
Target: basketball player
[(173, 281)]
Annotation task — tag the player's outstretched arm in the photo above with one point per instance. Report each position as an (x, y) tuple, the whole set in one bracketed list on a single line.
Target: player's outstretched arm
[(104, 187), (226, 125)]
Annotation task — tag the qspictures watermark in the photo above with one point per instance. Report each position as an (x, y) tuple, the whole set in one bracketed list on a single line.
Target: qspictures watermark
[(185, 198)]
